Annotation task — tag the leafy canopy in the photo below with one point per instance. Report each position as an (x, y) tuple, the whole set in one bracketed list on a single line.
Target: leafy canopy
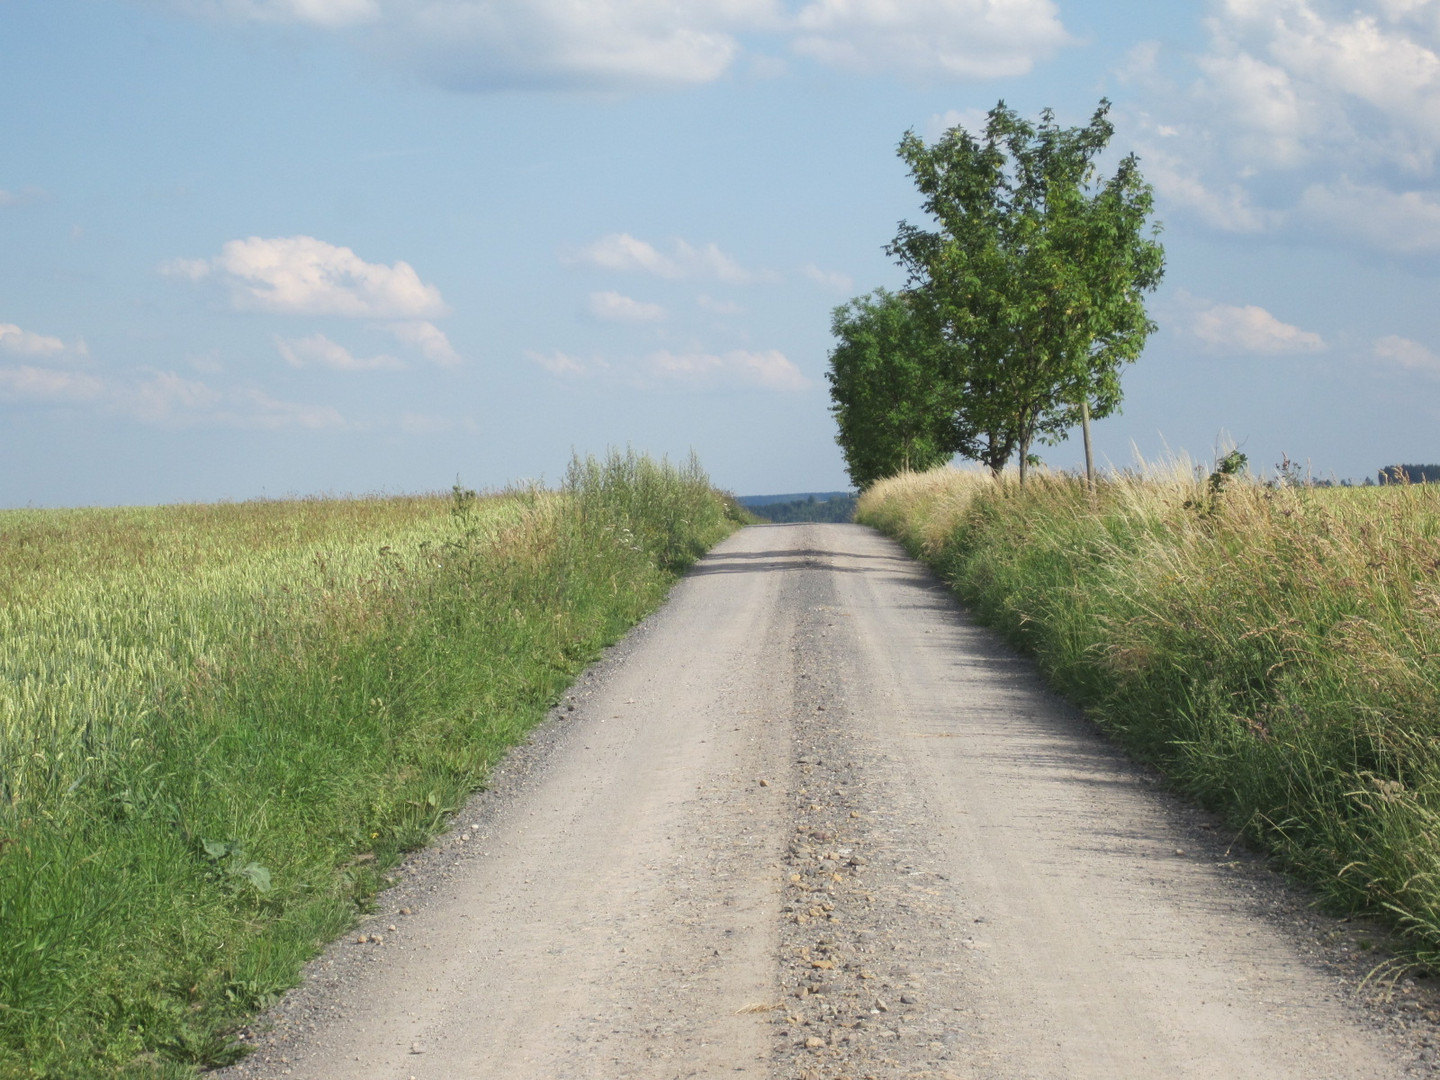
[(1032, 280), (887, 388)]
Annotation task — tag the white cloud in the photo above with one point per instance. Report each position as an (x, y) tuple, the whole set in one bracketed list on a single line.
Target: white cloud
[(495, 44), (206, 363), (323, 13), (429, 339), (194, 269), (160, 398), (831, 279), (301, 275), (559, 363), (972, 120), (20, 198), (623, 45), (1304, 115), (1407, 354), (1325, 76), (770, 369), (1252, 329), (28, 383), (621, 251), (719, 307), (165, 397), (1398, 222), (413, 423), (1225, 205), (27, 343), (923, 38), (616, 307), (252, 408), (319, 351)]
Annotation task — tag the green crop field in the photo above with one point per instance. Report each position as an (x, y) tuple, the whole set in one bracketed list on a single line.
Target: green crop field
[(220, 725), (1274, 649)]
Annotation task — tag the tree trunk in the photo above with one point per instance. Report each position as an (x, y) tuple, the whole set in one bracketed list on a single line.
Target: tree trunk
[(1024, 457), (1089, 457)]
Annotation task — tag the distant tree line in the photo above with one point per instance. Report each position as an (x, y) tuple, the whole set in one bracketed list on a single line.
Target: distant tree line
[(1022, 305), (838, 508), (1410, 474)]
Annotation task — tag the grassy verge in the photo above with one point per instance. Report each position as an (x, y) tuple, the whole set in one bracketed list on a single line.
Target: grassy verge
[(1276, 651), (220, 725)]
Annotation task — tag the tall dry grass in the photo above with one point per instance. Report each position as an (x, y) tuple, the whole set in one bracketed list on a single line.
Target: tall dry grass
[(1274, 649)]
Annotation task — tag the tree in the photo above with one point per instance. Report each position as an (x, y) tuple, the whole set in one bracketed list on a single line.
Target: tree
[(887, 385), (1033, 281)]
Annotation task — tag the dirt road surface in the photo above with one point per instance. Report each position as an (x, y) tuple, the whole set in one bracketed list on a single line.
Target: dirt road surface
[(810, 822)]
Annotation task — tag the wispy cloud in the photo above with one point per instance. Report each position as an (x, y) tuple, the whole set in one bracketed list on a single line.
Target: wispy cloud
[(413, 423), (166, 399), (20, 342), (20, 198), (965, 39), (163, 397), (644, 45), (770, 370), (1252, 329), (1397, 222), (719, 307), (696, 369), (429, 339), (331, 14), (317, 350), (156, 397), (972, 120), (616, 307), (1407, 354), (1302, 116), (560, 363), (25, 382), (300, 275), (831, 279), (621, 251)]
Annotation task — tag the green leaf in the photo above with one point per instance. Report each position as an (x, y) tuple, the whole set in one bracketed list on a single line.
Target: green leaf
[(215, 850), (257, 875)]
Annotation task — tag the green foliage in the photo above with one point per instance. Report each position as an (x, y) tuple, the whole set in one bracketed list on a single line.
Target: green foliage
[(1033, 278), (1275, 650), (887, 388), (839, 509), (221, 725), (1410, 474)]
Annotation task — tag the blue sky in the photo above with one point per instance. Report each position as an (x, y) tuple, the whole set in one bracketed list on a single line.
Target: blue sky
[(264, 247)]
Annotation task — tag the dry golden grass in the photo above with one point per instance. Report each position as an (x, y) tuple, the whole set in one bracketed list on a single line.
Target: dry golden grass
[(1275, 648)]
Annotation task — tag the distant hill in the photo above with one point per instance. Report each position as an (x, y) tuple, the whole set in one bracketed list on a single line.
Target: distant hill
[(1410, 474), (805, 506), (752, 501)]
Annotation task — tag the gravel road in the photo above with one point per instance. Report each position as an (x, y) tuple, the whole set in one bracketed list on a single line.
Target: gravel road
[(808, 821)]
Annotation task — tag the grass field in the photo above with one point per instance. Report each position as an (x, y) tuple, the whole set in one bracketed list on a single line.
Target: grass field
[(220, 725), (1275, 650)]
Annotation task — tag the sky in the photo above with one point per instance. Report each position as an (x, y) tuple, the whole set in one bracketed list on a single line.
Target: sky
[(260, 248)]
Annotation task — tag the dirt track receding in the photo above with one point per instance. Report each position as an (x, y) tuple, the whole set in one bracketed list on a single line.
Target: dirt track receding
[(809, 821)]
